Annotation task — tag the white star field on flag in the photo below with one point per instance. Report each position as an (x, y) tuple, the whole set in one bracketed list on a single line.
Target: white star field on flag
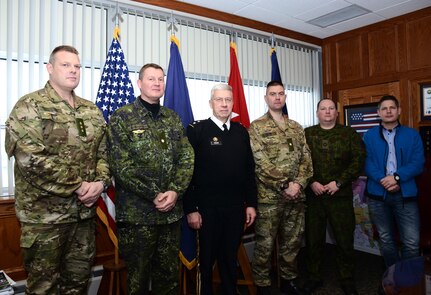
[(115, 89)]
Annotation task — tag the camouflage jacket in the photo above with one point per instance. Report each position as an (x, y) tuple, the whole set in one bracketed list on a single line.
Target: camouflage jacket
[(281, 155), (148, 156), (56, 148), (338, 154)]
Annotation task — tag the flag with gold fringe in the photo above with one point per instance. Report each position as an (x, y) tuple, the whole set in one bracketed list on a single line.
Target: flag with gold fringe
[(177, 99), (115, 90)]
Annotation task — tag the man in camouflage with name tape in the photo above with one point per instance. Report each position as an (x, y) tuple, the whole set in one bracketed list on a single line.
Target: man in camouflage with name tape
[(283, 168), (152, 162), (338, 155), (58, 141)]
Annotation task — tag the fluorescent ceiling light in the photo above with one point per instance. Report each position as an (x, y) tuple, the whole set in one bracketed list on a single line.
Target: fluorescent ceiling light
[(338, 16)]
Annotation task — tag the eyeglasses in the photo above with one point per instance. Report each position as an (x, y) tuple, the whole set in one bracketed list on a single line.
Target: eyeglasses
[(223, 99), (275, 94)]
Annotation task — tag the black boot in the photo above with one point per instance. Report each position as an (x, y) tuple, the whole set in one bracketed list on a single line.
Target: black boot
[(290, 287), (310, 286), (266, 290)]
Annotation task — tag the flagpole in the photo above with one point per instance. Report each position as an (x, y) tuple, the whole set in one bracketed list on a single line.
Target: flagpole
[(116, 37)]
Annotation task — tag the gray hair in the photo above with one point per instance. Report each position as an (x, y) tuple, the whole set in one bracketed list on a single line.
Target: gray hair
[(220, 86)]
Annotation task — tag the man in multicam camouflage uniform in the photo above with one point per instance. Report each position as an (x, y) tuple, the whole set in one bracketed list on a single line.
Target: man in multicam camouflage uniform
[(283, 167), (338, 155), (152, 162), (58, 142)]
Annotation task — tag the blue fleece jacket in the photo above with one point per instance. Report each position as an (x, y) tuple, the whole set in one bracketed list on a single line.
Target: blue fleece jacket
[(410, 160)]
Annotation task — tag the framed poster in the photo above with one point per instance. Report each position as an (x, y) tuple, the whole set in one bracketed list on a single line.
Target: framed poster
[(361, 117), (425, 101)]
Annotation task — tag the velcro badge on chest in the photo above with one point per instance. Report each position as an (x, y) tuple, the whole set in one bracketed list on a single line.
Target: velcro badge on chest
[(268, 133), (325, 144), (290, 144), (81, 127), (215, 141)]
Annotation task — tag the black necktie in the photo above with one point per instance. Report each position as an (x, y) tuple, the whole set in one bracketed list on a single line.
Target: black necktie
[(225, 128)]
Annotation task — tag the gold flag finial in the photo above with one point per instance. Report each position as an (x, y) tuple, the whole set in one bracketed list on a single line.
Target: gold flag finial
[(117, 33)]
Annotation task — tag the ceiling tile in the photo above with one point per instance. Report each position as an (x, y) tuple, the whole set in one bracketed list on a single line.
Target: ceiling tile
[(230, 6), (260, 14), (290, 7), (324, 33), (378, 4), (403, 8), (296, 25)]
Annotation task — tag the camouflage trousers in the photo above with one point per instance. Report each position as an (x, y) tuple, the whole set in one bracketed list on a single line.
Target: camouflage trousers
[(58, 257), (284, 220), (151, 255), (338, 212)]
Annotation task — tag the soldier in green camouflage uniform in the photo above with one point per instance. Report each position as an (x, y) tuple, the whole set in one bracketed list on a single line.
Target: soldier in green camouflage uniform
[(58, 142), (283, 167), (338, 156), (152, 163)]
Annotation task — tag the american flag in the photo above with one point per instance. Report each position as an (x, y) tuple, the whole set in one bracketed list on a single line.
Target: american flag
[(362, 118), (115, 90)]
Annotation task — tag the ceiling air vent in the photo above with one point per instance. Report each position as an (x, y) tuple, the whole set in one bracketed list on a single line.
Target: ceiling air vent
[(338, 16)]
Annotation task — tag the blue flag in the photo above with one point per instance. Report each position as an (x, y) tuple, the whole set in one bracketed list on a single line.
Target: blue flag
[(176, 93), (115, 89), (275, 72), (177, 99)]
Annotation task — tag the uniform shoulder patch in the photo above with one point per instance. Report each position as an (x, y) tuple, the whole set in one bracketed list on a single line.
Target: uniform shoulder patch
[(195, 123)]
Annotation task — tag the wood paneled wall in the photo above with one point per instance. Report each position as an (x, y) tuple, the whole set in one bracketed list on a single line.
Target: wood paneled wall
[(390, 57)]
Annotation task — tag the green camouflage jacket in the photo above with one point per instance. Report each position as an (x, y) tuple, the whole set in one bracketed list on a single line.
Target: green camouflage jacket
[(338, 154), (56, 148), (148, 156), (281, 155)]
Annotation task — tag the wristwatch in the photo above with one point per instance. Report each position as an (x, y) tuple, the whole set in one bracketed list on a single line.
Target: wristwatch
[(397, 178), (338, 184), (105, 186)]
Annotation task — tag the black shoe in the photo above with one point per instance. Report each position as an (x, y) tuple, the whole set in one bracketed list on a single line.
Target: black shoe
[(290, 287), (311, 285), (349, 289), (263, 290)]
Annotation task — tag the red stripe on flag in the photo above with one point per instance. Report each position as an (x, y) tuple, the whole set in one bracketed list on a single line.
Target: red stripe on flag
[(106, 217)]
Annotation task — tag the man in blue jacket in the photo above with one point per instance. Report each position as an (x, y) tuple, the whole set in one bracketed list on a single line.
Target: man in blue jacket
[(395, 157)]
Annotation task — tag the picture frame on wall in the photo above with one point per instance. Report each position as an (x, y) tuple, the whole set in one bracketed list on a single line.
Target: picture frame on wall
[(425, 89), (361, 117)]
